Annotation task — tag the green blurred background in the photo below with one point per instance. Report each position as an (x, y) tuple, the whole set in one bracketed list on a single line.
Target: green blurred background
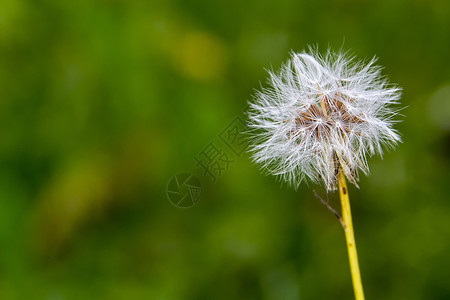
[(102, 102)]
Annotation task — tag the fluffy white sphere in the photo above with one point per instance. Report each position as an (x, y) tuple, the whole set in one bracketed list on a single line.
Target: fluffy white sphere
[(322, 115)]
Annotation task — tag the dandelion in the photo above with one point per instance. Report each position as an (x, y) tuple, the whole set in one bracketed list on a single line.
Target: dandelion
[(320, 119)]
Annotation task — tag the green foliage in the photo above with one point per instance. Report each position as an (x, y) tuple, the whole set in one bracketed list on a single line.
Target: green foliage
[(102, 102)]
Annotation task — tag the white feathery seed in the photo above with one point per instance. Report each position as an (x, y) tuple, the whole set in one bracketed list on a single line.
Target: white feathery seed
[(321, 115)]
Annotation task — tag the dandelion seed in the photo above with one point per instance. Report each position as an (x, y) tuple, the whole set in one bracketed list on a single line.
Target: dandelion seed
[(322, 115)]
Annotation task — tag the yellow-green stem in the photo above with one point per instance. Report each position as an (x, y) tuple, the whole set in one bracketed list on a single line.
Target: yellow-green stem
[(350, 238)]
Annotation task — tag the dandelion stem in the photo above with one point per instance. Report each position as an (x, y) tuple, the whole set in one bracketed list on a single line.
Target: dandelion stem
[(350, 238)]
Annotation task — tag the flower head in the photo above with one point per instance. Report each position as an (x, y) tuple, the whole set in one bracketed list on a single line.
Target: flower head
[(322, 115)]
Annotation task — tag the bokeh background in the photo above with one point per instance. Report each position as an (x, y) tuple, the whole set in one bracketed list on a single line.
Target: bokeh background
[(102, 102)]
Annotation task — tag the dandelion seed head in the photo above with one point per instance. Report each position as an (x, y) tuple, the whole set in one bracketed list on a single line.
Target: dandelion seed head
[(321, 115)]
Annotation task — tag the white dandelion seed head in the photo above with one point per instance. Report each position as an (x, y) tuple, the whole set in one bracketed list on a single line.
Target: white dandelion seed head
[(322, 115)]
